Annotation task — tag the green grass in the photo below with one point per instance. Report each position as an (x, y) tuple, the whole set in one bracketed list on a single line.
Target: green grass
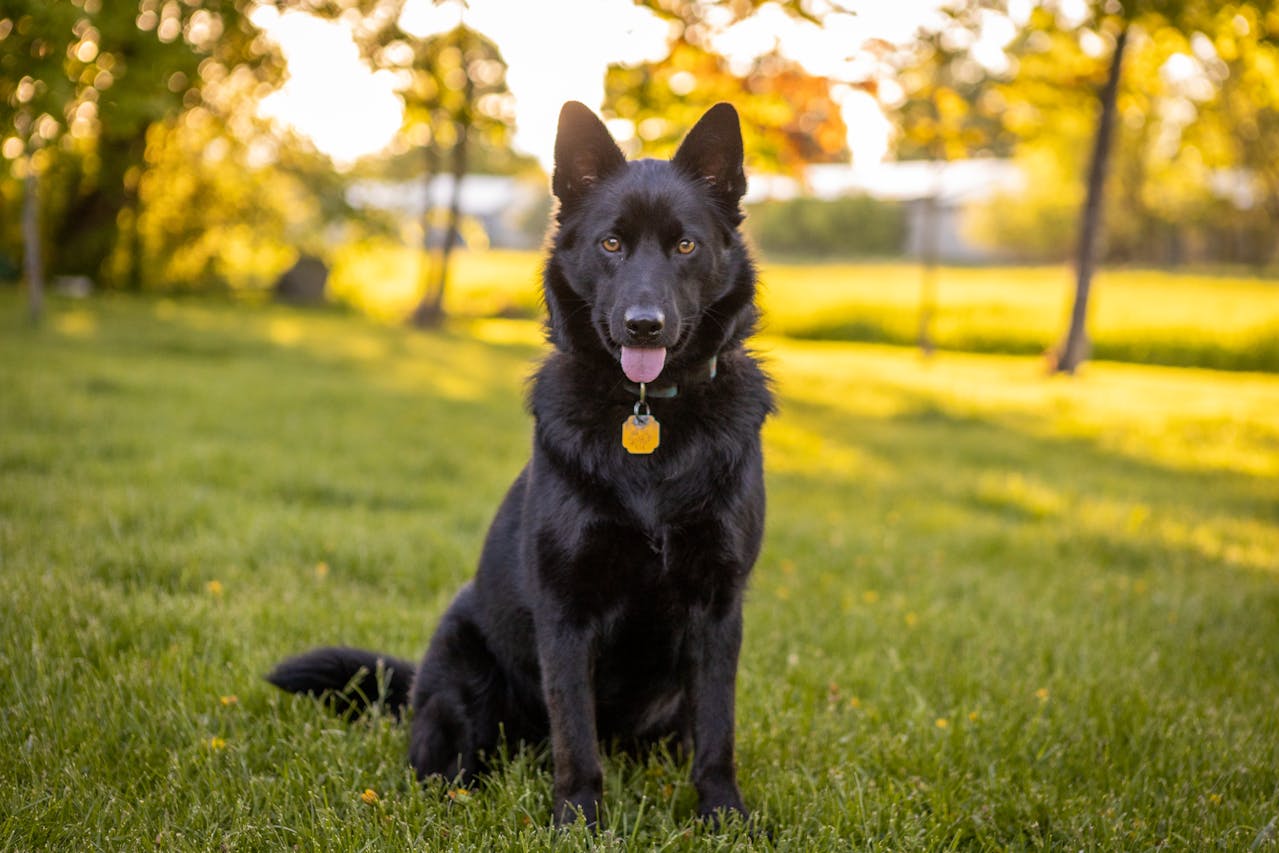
[(1226, 322), (1186, 320), (994, 610)]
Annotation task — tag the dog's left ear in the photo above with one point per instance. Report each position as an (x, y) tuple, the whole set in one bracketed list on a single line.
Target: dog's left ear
[(712, 152)]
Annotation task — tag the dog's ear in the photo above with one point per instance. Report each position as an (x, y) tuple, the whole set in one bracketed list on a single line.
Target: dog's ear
[(712, 152), (585, 152)]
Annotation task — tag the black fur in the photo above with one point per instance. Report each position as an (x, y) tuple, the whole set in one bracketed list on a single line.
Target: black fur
[(341, 676), (608, 600)]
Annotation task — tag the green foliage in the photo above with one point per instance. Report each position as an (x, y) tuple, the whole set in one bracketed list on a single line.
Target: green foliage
[(853, 226), (104, 74), (221, 213), (1241, 124), (1037, 223), (993, 611), (456, 79), (1182, 137), (694, 20), (39, 44), (788, 116), (950, 106)]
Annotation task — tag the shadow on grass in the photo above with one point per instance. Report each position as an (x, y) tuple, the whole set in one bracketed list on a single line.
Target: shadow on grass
[(182, 437), (187, 496), (1256, 352), (1125, 512)]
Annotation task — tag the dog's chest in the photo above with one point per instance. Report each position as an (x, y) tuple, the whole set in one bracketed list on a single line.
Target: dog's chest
[(638, 648), (656, 498)]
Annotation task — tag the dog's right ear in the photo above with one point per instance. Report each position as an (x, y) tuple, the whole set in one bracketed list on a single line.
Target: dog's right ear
[(585, 152)]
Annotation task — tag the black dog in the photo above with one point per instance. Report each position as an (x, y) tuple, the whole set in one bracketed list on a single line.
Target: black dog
[(608, 601)]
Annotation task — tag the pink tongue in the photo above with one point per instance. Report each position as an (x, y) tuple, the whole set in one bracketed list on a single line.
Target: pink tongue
[(642, 364)]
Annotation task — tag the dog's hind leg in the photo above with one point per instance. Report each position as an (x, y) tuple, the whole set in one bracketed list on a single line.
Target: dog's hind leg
[(457, 697)]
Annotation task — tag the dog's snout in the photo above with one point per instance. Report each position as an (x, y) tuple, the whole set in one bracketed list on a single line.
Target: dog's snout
[(644, 323)]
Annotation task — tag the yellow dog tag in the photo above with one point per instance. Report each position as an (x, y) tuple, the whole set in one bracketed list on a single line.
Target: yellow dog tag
[(641, 434)]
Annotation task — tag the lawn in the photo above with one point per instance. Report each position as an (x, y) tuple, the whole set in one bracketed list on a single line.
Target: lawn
[(994, 610), (1142, 316), (1226, 322)]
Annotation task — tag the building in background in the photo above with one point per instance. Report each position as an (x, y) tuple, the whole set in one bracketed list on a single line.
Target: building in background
[(510, 213), (958, 187)]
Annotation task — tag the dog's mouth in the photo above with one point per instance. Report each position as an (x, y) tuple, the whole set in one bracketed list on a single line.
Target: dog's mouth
[(643, 364)]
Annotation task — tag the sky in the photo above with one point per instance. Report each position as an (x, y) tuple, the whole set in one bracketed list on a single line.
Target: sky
[(558, 50)]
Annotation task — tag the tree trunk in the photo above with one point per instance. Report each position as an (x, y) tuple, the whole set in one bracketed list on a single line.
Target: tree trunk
[(33, 250), (430, 311), (1074, 349), (426, 268), (460, 165), (91, 233), (929, 250)]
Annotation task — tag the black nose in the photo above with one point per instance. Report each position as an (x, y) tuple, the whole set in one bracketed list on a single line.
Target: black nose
[(644, 324)]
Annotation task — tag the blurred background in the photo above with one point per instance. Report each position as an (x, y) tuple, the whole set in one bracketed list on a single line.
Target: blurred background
[(392, 155), (287, 261)]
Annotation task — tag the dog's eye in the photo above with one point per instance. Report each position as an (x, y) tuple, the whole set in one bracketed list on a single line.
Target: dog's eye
[(611, 244), (686, 247)]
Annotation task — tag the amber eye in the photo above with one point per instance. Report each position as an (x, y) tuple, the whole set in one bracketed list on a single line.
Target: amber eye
[(686, 247), (611, 244)]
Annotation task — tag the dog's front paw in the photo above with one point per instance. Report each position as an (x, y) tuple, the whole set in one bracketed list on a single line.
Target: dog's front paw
[(718, 814), (718, 799), (734, 818), (581, 805), (721, 806)]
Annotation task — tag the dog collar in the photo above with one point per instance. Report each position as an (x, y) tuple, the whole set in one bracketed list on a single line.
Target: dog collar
[(707, 372)]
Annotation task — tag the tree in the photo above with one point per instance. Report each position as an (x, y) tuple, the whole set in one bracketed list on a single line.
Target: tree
[(696, 21), (1113, 22), (32, 246), (1156, 181), (1239, 127), (949, 109), (228, 202), (788, 120), (458, 98), (457, 107), (96, 77), (35, 45), (1074, 349)]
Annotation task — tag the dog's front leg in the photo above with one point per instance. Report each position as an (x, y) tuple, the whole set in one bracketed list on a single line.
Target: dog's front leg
[(565, 656), (713, 684)]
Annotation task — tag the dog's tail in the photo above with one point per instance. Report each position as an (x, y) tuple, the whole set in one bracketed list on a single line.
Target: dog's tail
[(350, 680)]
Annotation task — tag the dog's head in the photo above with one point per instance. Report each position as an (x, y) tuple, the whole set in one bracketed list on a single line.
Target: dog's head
[(648, 268)]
